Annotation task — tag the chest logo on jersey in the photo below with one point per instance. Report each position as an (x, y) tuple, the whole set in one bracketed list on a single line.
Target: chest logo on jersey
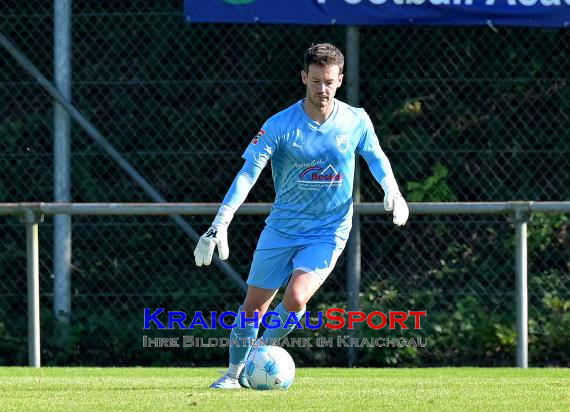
[(342, 142), (258, 136), (316, 177)]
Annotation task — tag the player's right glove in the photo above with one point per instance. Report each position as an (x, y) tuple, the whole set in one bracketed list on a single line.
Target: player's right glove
[(216, 235)]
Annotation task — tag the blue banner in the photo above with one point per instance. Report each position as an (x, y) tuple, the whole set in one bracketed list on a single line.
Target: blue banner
[(535, 13)]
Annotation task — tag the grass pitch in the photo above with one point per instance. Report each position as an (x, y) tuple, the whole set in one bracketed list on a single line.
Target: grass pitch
[(465, 389)]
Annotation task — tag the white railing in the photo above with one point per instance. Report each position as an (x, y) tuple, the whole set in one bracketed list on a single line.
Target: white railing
[(32, 214)]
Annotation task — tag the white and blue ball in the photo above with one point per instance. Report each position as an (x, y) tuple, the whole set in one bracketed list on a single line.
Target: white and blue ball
[(270, 367)]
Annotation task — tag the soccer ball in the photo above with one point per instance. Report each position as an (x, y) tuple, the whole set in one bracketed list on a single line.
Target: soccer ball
[(269, 367)]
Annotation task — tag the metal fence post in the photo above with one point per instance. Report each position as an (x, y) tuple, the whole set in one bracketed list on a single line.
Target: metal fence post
[(62, 167), (33, 270), (522, 216), (353, 247)]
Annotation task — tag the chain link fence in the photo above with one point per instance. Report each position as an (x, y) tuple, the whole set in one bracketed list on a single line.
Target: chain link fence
[(464, 114)]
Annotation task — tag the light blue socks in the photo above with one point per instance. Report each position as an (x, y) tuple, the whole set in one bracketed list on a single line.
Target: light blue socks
[(241, 339), (281, 332)]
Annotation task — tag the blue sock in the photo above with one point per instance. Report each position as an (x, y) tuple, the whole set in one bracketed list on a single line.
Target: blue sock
[(281, 332), (239, 352)]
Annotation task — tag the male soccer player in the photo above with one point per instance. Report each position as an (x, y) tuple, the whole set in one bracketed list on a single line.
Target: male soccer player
[(312, 146)]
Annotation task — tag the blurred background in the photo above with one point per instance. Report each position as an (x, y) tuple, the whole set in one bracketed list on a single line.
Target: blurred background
[(463, 113)]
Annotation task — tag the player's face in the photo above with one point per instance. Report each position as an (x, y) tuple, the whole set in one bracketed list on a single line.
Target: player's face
[(321, 82)]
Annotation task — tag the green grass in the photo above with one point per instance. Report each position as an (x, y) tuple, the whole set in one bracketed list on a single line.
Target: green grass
[(465, 389)]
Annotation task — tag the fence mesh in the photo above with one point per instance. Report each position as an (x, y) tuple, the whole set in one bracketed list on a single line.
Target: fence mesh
[(466, 114)]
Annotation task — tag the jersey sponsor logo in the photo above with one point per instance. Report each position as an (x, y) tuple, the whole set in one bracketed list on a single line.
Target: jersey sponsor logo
[(316, 177), (258, 136), (342, 143), (304, 165)]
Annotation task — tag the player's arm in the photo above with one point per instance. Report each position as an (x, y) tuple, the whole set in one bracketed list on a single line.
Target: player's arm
[(217, 234), (379, 165), (256, 156)]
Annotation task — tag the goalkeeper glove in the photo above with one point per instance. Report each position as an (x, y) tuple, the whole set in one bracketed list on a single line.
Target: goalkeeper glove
[(216, 235), (394, 201)]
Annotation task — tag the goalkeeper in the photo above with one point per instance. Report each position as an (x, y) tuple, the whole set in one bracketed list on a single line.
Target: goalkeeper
[(312, 146)]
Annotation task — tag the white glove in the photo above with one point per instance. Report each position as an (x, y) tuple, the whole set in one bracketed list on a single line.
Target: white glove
[(216, 235), (394, 201)]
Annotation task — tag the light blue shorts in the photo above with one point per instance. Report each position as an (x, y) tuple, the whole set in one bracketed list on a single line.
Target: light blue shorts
[(274, 262)]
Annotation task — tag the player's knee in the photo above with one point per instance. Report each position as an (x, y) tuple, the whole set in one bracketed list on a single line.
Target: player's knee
[(294, 301), (250, 308)]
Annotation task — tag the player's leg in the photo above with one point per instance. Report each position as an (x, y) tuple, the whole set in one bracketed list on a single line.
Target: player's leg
[(256, 300), (313, 264), (270, 269), (300, 289)]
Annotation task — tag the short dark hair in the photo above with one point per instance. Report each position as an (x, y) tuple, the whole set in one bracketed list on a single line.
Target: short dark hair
[(324, 54)]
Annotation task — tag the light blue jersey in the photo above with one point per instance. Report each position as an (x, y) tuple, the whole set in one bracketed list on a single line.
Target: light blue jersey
[(313, 170)]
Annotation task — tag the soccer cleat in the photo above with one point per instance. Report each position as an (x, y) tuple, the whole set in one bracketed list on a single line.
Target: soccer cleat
[(226, 382), (242, 379)]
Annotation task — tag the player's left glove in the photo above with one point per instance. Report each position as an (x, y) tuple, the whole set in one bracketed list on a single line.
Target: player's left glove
[(216, 235), (394, 201), (399, 207)]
